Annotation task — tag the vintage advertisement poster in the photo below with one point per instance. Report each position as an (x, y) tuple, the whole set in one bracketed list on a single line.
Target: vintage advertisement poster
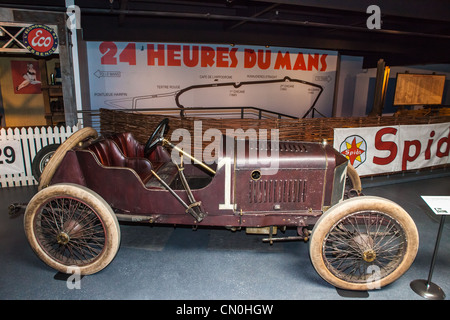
[(26, 77), (137, 75), (374, 150)]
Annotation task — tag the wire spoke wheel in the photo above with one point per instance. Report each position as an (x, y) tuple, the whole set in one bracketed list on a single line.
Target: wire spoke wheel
[(69, 225), (70, 231), (363, 243)]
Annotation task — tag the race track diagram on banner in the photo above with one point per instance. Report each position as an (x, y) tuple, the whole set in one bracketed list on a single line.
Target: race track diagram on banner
[(140, 75), (374, 150)]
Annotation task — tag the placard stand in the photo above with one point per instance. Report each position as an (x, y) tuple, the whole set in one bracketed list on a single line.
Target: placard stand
[(426, 288)]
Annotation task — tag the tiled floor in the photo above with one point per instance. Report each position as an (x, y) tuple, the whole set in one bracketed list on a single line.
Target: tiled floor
[(180, 263)]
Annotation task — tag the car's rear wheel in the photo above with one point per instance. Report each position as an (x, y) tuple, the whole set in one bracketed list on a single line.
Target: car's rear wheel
[(71, 226), (363, 243), (57, 157)]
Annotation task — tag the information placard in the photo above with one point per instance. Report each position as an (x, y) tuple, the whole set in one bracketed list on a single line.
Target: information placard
[(439, 204)]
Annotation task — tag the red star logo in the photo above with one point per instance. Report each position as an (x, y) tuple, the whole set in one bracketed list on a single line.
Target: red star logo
[(353, 152)]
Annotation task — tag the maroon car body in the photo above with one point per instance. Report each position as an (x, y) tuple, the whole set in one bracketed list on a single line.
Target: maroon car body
[(295, 194), (92, 182)]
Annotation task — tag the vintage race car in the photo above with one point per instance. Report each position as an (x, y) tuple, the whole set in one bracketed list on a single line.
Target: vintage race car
[(91, 183)]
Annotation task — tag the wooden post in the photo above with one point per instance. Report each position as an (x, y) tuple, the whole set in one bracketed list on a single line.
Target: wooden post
[(380, 88)]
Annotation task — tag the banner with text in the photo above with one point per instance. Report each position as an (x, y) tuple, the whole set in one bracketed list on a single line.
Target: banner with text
[(374, 150), (140, 75)]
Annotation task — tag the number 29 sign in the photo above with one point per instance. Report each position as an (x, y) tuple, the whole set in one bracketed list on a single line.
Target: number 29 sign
[(11, 161)]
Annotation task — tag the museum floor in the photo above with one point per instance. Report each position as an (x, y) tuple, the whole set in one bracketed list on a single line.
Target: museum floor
[(179, 263)]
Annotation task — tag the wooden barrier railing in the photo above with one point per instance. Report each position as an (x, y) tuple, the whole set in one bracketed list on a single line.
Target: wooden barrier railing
[(312, 129)]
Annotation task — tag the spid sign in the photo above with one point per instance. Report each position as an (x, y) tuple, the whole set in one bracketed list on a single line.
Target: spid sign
[(373, 150)]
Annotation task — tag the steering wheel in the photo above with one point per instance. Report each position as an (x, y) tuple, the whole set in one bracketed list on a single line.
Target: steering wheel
[(156, 137)]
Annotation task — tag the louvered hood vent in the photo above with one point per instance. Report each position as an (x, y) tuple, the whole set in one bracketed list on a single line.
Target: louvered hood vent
[(277, 191), (292, 147), (283, 155)]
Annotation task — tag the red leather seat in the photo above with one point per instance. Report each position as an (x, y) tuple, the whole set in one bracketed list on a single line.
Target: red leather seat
[(123, 150), (130, 147), (109, 155)]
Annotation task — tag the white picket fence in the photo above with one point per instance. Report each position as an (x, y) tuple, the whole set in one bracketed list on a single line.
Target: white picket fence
[(20, 146)]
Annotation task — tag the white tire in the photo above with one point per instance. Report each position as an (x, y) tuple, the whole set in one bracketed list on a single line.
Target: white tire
[(68, 226), (363, 243)]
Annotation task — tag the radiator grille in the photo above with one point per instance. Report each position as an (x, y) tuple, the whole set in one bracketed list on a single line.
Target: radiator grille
[(277, 191)]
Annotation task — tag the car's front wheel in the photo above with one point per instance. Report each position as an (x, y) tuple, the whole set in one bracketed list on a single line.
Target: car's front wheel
[(69, 226), (363, 243)]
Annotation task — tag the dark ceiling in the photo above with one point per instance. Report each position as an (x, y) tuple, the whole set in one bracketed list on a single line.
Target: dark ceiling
[(412, 32)]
